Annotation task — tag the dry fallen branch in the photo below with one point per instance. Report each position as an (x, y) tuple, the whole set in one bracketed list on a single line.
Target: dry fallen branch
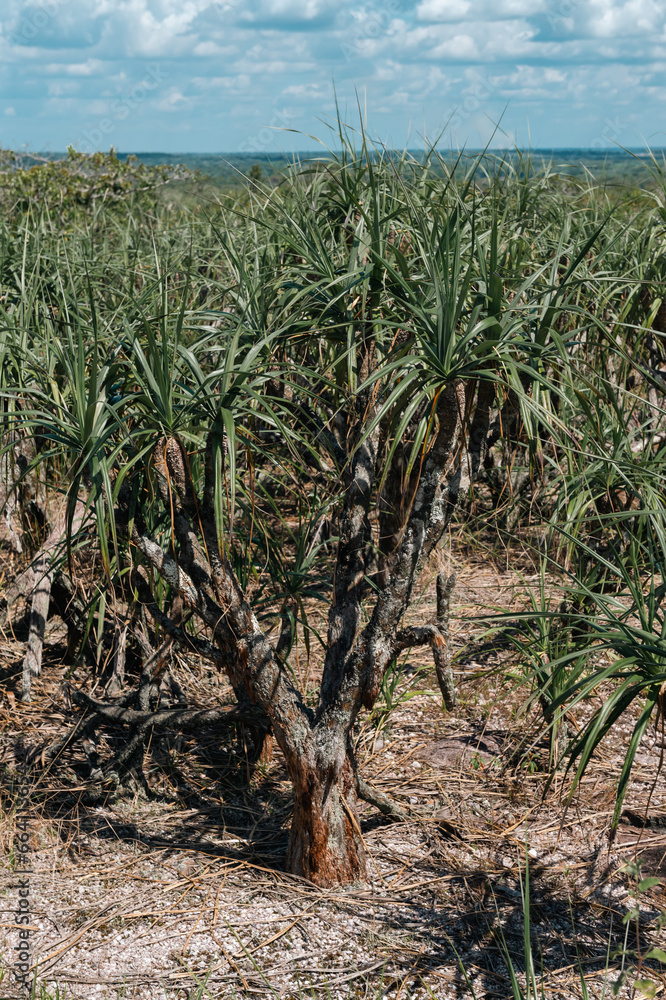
[(182, 718)]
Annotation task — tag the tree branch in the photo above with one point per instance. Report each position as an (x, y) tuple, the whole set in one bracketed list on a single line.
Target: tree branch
[(379, 800), (430, 514), (249, 658), (436, 636), (344, 618)]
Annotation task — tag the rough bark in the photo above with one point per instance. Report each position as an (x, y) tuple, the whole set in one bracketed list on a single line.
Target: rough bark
[(35, 584), (41, 596), (445, 678), (394, 509), (21, 493), (345, 614), (325, 843)]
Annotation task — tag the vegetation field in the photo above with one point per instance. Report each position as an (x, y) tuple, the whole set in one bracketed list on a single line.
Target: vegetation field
[(332, 565)]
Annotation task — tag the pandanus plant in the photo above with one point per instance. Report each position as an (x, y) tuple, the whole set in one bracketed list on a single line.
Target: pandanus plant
[(364, 359)]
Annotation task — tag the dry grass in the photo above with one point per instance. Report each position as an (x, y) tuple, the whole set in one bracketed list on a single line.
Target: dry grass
[(156, 896)]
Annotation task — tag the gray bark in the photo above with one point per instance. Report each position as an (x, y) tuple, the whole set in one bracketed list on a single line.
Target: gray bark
[(41, 596), (35, 584)]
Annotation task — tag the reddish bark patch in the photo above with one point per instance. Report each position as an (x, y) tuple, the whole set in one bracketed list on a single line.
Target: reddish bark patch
[(325, 844)]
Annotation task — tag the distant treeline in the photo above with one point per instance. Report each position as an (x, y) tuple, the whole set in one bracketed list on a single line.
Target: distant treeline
[(611, 165)]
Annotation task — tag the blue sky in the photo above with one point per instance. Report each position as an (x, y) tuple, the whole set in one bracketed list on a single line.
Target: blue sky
[(228, 75)]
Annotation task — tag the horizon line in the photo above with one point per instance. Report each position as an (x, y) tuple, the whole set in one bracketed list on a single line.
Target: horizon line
[(613, 151)]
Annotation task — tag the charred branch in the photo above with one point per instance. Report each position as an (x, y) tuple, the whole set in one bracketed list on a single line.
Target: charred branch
[(445, 678)]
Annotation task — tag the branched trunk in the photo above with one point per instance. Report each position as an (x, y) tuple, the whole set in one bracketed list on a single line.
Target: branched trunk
[(326, 845)]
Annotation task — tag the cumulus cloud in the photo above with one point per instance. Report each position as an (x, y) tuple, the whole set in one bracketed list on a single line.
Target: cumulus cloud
[(464, 10), (294, 10), (218, 69), (88, 68), (620, 20), (171, 101), (443, 10), (52, 24)]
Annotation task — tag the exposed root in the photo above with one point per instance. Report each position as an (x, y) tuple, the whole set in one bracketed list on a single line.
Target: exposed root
[(126, 768)]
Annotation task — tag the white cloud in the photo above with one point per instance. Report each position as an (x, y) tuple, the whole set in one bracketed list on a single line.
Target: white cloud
[(529, 82), (223, 67), (518, 8), (297, 10), (234, 85), (10, 112), (87, 68), (309, 91), (459, 47), (171, 101), (442, 10), (479, 41), (606, 19), (465, 10), (209, 50)]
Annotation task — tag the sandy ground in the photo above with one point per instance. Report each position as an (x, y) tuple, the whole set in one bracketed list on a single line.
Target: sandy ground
[(182, 895)]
